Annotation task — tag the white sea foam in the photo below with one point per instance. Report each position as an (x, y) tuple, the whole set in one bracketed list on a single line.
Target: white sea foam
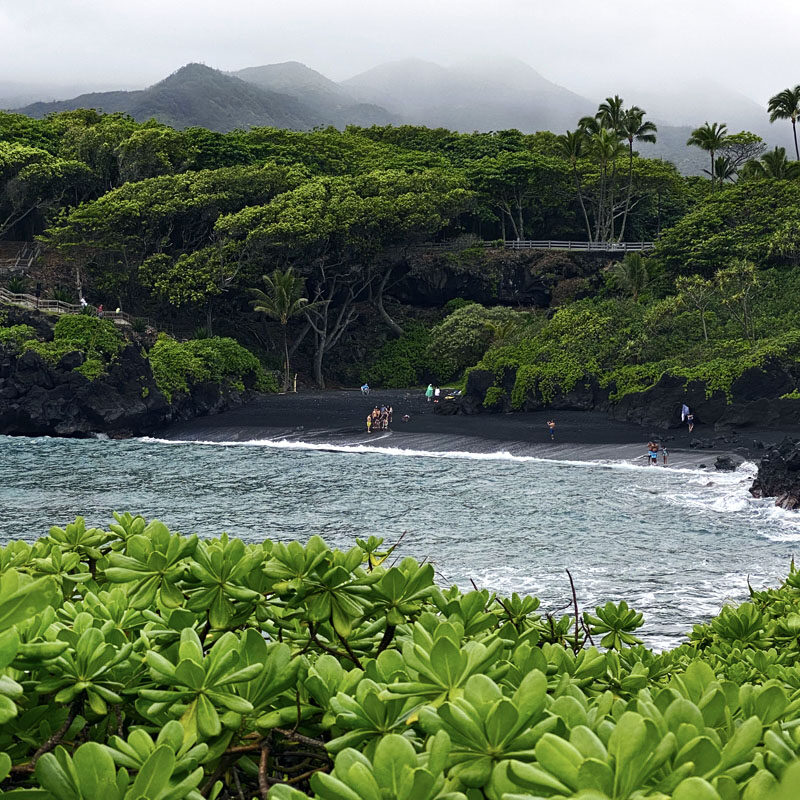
[(469, 455)]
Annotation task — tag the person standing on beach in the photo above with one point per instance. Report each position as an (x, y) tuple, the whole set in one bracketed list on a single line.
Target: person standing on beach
[(690, 420), (664, 455), (551, 426), (436, 392), (429, 392), (652, 452), (369, 422)]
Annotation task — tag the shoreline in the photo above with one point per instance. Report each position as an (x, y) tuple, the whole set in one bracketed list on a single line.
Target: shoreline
[(337, 417)]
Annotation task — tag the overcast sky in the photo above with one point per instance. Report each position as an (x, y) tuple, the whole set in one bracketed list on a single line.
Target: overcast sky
[(589, 46)]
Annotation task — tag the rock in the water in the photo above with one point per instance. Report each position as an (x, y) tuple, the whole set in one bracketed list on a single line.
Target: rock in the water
[(725, 464), (779, 475)]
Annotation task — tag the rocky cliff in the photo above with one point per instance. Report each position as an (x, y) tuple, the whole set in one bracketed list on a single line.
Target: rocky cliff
[(754, 400), (42, 399), (779, 475)]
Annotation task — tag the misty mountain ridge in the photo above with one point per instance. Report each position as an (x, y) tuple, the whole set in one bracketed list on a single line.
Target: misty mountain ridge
[(479, 95), (197, 95), (326, 97)]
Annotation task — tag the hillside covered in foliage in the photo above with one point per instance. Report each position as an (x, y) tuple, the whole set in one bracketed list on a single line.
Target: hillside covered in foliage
[(350, 255)]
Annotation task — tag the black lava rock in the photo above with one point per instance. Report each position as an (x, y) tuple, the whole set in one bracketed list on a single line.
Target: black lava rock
[(725, 464), (40, 399), (779, 475)]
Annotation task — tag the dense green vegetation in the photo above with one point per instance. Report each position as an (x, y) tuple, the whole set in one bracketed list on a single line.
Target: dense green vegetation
[(139, 663), (176, 366), (188, 226)]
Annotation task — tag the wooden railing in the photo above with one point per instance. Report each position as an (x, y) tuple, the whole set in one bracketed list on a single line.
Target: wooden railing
[(546, 244), (59, 307), (21, 258)]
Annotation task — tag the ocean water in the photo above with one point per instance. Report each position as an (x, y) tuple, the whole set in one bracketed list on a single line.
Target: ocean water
[(676, 543)]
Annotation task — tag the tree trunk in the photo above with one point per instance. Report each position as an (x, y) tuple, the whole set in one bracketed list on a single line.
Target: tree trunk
[(319, 354), (630, 187), (712, 170), (580, 200), (394, 327), (286, 360), (208, 319), (703, 320), (794, 131)]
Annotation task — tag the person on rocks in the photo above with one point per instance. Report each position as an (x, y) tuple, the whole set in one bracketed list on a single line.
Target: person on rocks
[(551, 426), (436, 392), (687, 416), (100, 310), (429, 392), (365, 389)]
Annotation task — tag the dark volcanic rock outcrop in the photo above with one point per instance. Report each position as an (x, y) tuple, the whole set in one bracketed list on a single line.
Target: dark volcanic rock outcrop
[(39, 399), (754, 400), (779, 475)]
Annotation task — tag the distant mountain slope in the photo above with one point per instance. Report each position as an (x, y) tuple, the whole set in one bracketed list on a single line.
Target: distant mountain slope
[(328, 98), (481, 95), (197, 95)]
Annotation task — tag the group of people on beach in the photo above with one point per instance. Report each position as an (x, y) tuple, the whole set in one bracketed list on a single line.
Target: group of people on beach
[(432, 394), (379, 419), (653, 448)]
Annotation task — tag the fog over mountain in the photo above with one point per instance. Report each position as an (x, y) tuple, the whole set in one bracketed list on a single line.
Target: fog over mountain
[(477, 95)]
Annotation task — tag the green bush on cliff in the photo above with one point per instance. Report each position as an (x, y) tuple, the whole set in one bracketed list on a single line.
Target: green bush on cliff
[(136, 662), (178, 365), (15, 336), (97, 339), (628, 346)]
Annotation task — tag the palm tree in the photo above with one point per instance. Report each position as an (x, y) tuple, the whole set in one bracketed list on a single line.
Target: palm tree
[(631, 274), (611, 112), (724, 169), (632, 126), (786, 105), (571, 145), (282, 301), (709, 138), (605, 147), (773, 164)]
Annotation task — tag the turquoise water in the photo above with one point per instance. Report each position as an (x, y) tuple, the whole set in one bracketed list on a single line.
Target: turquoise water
[(676, 544)]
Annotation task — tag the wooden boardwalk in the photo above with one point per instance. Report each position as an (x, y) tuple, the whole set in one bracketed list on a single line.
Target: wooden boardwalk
[(33, 303), (546, 244)]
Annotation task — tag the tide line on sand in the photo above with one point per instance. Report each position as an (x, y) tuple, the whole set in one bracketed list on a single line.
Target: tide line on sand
[(387, 450)]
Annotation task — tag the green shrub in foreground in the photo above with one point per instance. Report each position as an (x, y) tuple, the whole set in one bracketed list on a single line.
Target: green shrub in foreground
[(139, 663)]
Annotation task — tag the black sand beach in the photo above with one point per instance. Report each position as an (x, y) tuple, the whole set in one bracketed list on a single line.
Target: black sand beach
[(337, 417)]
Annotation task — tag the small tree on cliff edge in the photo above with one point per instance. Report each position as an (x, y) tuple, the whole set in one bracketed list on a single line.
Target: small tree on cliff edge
[(282, 301)]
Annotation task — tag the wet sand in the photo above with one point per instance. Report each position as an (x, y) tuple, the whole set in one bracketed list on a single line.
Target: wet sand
[(338, 417)]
